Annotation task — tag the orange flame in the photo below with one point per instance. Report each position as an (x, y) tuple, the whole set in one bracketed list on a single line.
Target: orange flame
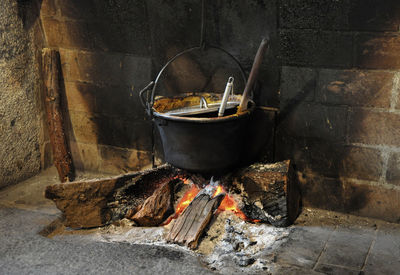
[(227, 204), (187, 199)]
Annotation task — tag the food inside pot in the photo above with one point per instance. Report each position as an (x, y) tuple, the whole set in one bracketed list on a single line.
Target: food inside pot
[(195, 105)]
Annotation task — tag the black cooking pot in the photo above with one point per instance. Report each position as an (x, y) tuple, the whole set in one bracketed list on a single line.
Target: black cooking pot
[(201, 144)]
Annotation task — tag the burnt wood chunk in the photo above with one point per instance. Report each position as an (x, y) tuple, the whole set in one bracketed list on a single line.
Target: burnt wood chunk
[(52, 91), (97, 202), (270, 192), (190, 225), (157, 207)]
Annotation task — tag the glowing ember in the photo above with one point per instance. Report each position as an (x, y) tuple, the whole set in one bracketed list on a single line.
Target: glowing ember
[(227, 204), (187, 199)]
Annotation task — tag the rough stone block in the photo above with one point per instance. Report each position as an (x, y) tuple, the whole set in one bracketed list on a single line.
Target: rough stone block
[(105, 68), (331, 159), (48, 8), (105, 130), (374, 127), (84, 127), (370, 15), (120, 160), (375, 201), (375, 15), (361, 163), (377, 51), (91, 67), (249, 21), (86, 157), (113, 100), (355, 88), (79, 97), (298, 84), (136, 72), (124, 133), (68, 34), (259, 140), (76, 9), (325, 193), (316, 48), (393, 169), (304, 119), (309, 14)]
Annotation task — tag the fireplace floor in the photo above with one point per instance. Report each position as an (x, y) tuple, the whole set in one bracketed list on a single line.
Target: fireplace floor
[(320, 242)]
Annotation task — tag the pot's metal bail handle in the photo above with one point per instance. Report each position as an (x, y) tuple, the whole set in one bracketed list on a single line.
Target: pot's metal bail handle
[(145, 100)]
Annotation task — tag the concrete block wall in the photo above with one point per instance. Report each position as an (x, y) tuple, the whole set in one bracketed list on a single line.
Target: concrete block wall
[(339, 99), (105, 55), (111, 49)]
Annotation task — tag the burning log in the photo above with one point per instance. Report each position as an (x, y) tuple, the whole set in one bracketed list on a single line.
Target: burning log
[(190, 225), (97, 202), (61, 153), (157, 207), (268, 192)]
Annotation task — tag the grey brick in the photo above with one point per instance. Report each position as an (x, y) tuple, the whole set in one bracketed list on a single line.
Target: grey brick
[(377, 51), (313, 120), (372, 127), (393, 169), (355, 88), (316, 48), (298, 83)]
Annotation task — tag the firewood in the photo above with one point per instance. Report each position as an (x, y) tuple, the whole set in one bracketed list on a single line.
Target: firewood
[(157, 207), (190, 225), (269, 192), (97, 202), (52, 91)]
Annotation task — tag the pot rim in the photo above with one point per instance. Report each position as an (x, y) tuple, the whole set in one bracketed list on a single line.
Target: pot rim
[(207, 119)]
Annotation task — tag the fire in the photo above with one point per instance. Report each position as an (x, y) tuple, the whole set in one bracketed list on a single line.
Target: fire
[(227, 204), (187, 199)]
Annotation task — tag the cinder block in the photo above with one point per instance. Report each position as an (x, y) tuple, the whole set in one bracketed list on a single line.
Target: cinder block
[(377, 51), (393, 169), (120, 160), (68, 34), (77, 9), (298, 83), (355, 88), (374, 127), (361, 163), (304, 119), (84, 127), (316, 48), (374, 15), (85, 156), (48, 8), (80, 97), (310, 14), (375, 201)]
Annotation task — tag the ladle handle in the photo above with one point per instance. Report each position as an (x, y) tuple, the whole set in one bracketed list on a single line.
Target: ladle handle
[(253, 75)]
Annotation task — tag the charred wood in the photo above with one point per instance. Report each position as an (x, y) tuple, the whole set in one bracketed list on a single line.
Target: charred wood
[(52, 91)]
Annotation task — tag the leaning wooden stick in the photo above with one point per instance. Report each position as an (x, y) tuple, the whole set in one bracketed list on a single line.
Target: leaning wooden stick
[(51, 75), (253, 75), (190, 225)]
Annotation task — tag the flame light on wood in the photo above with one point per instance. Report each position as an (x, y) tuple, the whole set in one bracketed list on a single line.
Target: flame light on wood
[(227, 204)]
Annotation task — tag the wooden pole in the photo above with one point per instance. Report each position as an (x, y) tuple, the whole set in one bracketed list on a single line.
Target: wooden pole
[(51, 76)]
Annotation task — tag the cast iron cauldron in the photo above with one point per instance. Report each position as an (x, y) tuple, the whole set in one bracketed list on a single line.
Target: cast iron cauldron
[(200, 144)]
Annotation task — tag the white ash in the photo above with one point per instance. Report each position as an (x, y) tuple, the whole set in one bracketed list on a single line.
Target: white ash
[(230, 245)]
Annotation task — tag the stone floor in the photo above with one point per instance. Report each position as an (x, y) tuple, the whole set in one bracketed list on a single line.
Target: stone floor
[(321, 242)]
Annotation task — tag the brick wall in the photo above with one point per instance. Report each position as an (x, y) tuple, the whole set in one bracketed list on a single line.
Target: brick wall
[(340, 108), (111, 49)]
